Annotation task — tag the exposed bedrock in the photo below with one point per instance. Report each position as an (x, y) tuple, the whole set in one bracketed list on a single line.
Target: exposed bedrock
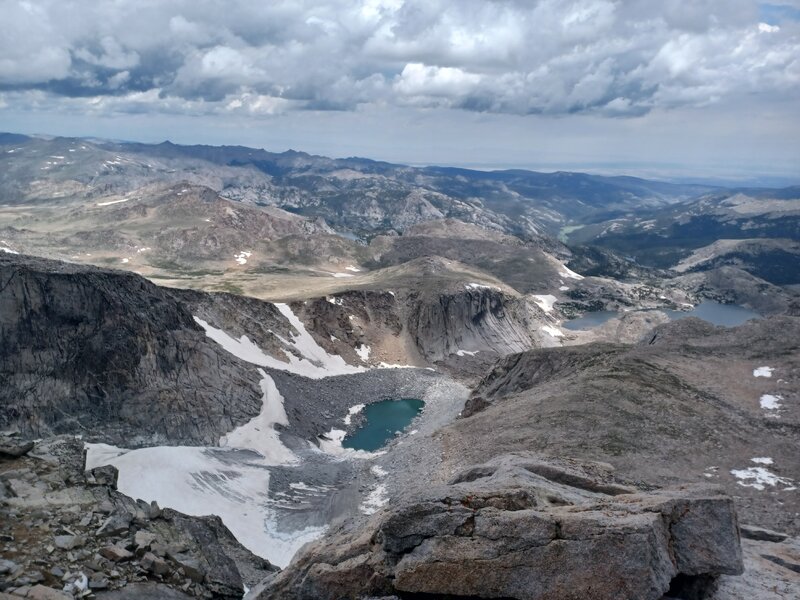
[(690, 403), (423, 327), (476, 319), (65, 529), (524, 527), (86, 350)]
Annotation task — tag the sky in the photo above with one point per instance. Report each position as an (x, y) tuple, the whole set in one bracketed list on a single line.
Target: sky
[(673, 89)]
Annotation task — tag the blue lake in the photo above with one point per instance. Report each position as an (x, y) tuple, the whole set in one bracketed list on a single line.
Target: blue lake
[(383, 420), (727, 315)]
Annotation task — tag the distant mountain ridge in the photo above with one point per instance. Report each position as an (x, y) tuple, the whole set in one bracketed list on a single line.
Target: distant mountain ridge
[(355, 194)]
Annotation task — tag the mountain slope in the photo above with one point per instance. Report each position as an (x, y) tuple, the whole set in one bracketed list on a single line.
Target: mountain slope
[(684, 405)]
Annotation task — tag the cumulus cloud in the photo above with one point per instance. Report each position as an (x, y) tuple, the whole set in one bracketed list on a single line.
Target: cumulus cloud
[(610, 57)]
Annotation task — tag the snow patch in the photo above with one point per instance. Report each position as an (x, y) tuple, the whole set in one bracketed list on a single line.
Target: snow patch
[(363, 352), (340, 275), (563, 288), (353, 269), (765, 460), (330, 443), (770, 402), (352, 411), (553, 331), (763, 372), (378, 471), (125, 260), (110, 202), (759, 477), (259, 433), (202, 481), (568, 273), (480, 286), (467, 352), (314, 361), (545, 302), (335, 300), (242, 257), (377, 498), (8, 250)]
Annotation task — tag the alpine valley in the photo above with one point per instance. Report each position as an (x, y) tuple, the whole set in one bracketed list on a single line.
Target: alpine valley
[(227, 373)]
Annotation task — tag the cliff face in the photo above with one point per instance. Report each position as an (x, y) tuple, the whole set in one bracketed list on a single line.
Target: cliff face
[(82, 348), (475, 319), (421, 327)]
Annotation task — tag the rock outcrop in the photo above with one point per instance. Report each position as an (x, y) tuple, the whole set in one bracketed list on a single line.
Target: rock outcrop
[(66, 533), (686, 404), (85, 350), (522, 527)]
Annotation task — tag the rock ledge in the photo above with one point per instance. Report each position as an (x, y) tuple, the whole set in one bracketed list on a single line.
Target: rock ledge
[(523, 527)]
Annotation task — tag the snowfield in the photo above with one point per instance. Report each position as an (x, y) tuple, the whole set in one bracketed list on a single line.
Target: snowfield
[(231, 482), (315, 363), (259, 433), (205, 481), (553, 331)]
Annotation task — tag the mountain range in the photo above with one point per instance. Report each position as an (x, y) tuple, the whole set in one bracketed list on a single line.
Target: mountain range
[(607, 369)]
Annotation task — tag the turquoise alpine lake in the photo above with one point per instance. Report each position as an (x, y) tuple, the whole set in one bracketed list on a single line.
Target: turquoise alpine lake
[(382, 421), (726, 315)]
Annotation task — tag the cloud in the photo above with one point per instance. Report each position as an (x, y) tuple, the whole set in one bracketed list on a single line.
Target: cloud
[(606, 57)]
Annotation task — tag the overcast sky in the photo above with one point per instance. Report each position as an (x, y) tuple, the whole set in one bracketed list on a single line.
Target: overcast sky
[(669, 87)]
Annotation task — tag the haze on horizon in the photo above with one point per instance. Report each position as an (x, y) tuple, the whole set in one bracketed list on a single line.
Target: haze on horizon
[(708, 89)]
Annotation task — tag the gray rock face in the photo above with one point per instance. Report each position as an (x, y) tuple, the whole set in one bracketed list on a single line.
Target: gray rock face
[(85, 349), (13, 447), (431, 317), (521, 527), (480, 318)]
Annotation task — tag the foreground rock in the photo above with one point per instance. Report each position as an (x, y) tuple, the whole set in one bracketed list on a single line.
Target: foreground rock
[(521, 527), (64, 533), (684, 405)]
